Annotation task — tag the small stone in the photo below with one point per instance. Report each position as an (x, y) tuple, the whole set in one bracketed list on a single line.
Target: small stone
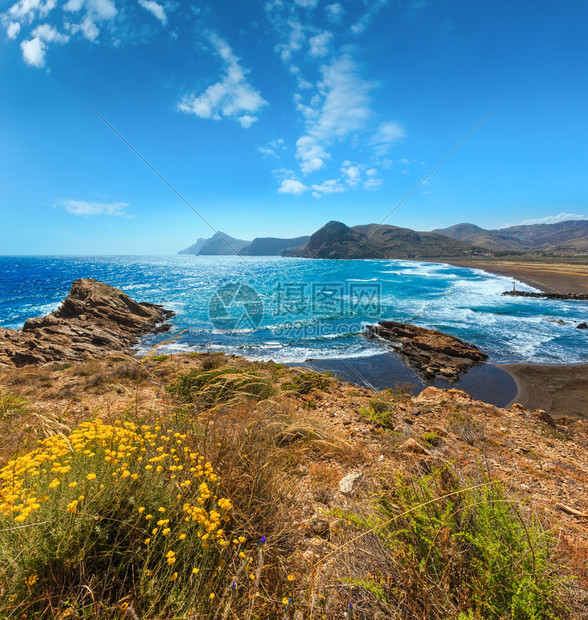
[(350, 482), (582, 325)]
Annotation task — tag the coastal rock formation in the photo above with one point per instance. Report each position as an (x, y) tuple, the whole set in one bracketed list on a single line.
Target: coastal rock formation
[(94, 320), (431, 352), (572, 296)]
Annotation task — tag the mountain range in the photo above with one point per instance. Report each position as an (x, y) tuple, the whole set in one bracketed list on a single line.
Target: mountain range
[(337, 240), (563, 237)]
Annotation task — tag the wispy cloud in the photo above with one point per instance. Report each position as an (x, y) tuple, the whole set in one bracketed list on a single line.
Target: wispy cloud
[(386, 135), (231, 97), (12, 29), (273, 149), (320, 44), (550, 219), (157, 10), (82, 207), (332, 186), (335, 12), (340, 108), (374, 7)]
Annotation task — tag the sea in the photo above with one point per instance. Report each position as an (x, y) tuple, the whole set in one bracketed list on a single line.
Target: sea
[(292, 310)]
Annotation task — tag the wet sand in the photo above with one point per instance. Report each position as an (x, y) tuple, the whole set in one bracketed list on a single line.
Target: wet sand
[(562, 391), (547, 277)]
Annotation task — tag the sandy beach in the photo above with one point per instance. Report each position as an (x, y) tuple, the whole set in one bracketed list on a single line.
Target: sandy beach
[(547, 277)]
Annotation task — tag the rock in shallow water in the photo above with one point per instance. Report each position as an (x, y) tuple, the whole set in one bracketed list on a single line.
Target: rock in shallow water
[(95, 320), (429, 351)]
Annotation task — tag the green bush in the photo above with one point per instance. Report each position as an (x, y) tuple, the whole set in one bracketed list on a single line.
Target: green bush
[(381, 418), (465, 549), (305, 382)]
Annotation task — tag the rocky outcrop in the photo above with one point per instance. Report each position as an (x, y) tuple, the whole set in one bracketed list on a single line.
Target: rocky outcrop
[(94, 320), (563, 296), (431, 352)]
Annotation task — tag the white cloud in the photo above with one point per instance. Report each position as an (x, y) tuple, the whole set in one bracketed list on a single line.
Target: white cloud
[(291, 186), (73, 5), (353, 174), (366, 19), (311, 154), (231, 97), (320, 44), (340, 108), (28, 10), (296, 38), (387, 134), (332, 186), (551, 219), (96, 11), (33, 52), (155, 9), (335, 12), (82, 207), (47, 33), (12, 29)]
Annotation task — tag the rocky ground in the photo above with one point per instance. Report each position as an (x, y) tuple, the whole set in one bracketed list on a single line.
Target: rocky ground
[(95, 320), (543, 463)]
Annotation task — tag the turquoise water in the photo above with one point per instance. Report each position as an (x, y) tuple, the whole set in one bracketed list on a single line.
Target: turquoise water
[(294, 309)]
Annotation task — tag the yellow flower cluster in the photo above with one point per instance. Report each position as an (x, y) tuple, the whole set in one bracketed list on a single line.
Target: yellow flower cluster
[(98, 455)]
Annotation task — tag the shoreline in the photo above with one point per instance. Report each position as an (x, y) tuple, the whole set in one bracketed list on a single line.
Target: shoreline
[(547, 277)]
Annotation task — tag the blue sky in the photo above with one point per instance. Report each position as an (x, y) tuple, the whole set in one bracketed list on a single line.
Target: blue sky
[(272, 118)]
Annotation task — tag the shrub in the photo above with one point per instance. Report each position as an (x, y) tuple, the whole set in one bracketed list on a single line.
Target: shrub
[(213, 387), (11, 405), (113, 513), (465, 549), (381, 418), (307, 381)]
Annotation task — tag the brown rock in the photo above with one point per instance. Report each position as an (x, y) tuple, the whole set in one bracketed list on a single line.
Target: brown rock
[(429, 351), (95, 320)]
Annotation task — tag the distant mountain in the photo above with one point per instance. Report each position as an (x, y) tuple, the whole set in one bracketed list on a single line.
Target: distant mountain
[(398, 242), (563, 237), (272, 246), (336, 240), (222, 244), (195, 247)]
